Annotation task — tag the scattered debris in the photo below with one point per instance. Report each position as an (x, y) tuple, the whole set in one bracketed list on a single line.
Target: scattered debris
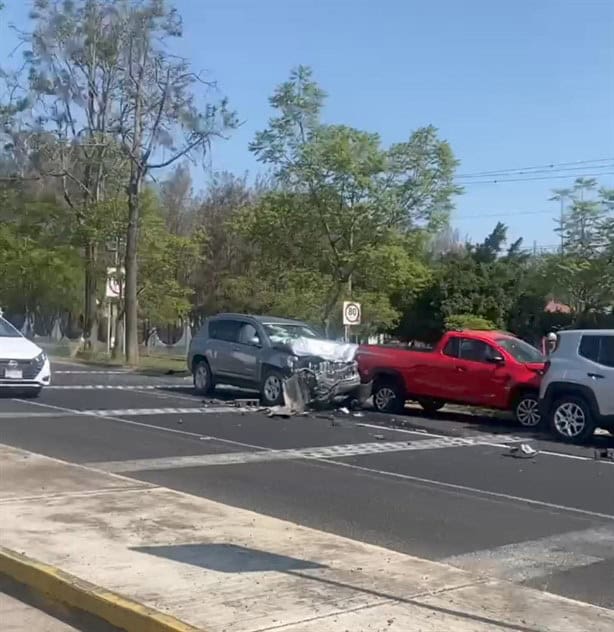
[(180, 421), (379, 437), (523, 451), (214, 402), (281, 411), (358, 414), (246, 403), (605, 454), (421, 430)]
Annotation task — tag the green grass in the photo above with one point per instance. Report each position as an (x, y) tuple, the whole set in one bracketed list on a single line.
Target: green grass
[(148, 364)]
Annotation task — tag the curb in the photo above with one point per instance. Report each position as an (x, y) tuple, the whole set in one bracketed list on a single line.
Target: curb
[(111, 607)]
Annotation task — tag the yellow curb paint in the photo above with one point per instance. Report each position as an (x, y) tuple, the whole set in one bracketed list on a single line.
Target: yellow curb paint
[(59, 586)]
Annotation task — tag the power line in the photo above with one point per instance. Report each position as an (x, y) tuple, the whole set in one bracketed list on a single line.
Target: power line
[(554, 165), (549, 171), (503, 214), (528, 179)]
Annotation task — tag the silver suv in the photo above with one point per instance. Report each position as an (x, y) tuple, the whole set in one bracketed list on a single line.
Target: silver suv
[(577, 390), (262, 352)]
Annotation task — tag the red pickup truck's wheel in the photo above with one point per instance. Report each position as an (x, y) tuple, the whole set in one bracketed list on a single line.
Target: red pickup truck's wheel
[(526, 410), (388, 396), (431, 405)]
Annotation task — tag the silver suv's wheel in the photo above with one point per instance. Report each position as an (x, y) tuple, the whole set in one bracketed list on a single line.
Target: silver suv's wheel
[(203, 382), (527, 412), (571, 420)]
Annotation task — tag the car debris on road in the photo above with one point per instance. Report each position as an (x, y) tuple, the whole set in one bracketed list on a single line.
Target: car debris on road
[(523, 451)]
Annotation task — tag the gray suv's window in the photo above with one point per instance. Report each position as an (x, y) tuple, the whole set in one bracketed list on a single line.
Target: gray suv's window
[(248, 334), (599, 349), (227, 330)]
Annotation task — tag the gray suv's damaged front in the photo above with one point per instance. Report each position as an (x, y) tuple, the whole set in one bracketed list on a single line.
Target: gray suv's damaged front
[(285, 360)]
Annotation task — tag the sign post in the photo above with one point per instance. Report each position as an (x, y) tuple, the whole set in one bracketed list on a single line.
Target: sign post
[(352, 313)]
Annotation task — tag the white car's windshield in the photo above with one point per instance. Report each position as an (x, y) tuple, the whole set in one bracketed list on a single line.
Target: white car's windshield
[(7, 330), (278, 332), (521, 350)]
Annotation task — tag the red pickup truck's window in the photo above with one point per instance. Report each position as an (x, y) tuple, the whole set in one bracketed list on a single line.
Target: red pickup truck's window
[(475, 350), (451, 348)]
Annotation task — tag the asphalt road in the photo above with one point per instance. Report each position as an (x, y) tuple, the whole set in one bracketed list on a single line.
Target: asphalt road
[(444, 488)]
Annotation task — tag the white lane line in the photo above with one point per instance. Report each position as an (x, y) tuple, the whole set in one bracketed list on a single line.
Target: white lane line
[(472, 490), (535, 558), (129, 412), (113, 387), (495, 440), (141, 424), (82, 372), (324, 452), (496, 443)]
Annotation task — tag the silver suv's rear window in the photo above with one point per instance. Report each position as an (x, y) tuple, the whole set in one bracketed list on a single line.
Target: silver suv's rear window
[(598, 348)]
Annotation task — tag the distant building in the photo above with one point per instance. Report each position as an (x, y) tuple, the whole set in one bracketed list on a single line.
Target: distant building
[(554, 307)]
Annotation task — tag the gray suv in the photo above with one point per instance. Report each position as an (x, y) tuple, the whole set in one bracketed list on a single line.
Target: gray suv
[(262, 352)]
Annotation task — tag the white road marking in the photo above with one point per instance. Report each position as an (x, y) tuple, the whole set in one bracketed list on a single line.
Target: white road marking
[(129, 412), (536, 558), (81, 372), (141, 424), (472, 490), (113, 387), (324, 452)]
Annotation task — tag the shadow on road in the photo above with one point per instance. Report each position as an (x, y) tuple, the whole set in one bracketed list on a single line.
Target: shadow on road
[(228, 558)]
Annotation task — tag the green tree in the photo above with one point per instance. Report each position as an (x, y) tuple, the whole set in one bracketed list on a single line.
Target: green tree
[(582, 274), (342, 195)]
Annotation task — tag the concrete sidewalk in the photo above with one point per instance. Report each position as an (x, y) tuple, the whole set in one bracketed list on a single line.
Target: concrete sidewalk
[(220, 568)]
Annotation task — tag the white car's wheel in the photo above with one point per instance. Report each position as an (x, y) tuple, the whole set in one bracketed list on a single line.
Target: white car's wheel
[(571, 420)]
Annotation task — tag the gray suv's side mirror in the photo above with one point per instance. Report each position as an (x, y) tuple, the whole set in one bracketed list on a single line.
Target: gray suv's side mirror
[(254, 341)]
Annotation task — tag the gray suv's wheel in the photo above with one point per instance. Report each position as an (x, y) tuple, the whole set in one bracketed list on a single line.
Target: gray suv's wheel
[(526, 410), (203, 380), (571, 419), (272, 388)]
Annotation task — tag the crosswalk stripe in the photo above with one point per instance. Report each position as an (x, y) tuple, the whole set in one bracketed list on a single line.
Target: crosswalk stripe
[(113, 387), (536, 558), (325, 452), (125, 412)]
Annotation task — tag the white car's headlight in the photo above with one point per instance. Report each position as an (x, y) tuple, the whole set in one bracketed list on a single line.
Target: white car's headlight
[(39, 360)]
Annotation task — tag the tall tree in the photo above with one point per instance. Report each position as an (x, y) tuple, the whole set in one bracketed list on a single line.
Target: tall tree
[(61, 116), (159, 121)]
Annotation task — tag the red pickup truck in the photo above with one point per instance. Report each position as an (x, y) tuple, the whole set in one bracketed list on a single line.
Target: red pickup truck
[(490, 369)]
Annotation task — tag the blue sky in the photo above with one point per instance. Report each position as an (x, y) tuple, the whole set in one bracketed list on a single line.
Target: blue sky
[(508, 84)]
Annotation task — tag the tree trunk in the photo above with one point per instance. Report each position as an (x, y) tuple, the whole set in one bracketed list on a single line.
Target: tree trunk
[(131, 263), (90, 329)]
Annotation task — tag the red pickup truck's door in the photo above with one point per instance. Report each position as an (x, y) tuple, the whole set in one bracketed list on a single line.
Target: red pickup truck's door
[(479, 380)]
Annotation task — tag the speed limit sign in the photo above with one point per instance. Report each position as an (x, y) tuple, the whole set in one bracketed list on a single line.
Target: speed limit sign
[(351, 313)]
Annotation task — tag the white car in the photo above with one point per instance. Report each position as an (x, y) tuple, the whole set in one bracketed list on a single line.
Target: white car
[(577, 390), (23, 365)]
